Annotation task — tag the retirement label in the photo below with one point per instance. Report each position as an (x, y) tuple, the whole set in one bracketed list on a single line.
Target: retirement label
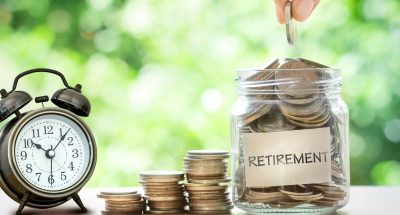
[(287, 157)]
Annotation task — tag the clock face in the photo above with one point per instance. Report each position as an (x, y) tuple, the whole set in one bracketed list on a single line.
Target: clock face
[(52, 153)]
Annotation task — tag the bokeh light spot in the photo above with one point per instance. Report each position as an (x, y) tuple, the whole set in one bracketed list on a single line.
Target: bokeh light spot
[(211, 100), (106, 40), (386, 173), (392, 130)]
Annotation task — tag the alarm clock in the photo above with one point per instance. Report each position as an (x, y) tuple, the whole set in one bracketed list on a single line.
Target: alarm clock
[(46, 155)]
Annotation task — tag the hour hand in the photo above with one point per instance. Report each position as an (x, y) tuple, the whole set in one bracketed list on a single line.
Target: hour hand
[(38, 146)]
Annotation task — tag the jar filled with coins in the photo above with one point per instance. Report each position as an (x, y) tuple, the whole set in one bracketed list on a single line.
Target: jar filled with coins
[(290, 139)]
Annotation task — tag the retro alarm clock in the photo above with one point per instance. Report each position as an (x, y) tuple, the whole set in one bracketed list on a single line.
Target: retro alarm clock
[(46, 155)]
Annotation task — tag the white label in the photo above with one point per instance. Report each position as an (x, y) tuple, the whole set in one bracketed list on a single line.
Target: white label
[(287, 157)]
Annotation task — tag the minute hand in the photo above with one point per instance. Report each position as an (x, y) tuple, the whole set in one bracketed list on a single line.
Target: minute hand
[(61, 139)]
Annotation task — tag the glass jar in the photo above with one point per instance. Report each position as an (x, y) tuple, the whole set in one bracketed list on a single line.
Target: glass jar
[(289, 129)]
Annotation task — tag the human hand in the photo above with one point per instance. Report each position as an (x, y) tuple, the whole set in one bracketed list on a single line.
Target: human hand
[(301, 9)]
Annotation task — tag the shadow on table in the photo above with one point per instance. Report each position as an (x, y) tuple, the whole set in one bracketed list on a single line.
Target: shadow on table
[(61, 211), (336, 213)]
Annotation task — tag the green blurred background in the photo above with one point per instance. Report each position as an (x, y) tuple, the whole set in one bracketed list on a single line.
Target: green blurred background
[(160, 74)]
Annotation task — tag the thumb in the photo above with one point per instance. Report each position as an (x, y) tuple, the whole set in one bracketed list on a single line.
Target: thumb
[(302, 9)]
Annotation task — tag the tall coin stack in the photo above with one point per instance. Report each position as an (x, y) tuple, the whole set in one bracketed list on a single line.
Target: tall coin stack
[(122, 202), (164, 192), (207, 182)]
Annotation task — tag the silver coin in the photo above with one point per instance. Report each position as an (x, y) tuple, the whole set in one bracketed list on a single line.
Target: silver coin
[(312, 63), (273, 122), (256, 112), (298, 101), (297, 79), (303, 125), (208, 152), (291, 29), (302, 110), (240, 181)]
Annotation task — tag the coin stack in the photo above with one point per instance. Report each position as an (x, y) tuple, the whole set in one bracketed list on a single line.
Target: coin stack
[(207, 182), (164, 192), (122, 202), (297, 102)]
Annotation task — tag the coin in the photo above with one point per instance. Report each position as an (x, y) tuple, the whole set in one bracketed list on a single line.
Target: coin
[(256, 112), (273, 121), (302, 110), (221, 153), (291, 30), (164, 191), (312, 63), (119, 213), (206, 187), (119, 195), (121, 201), (298, 79), (162, 176)]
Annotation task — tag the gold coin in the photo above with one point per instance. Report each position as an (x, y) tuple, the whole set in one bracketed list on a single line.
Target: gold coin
[(119, 197), (211, 208), (169, 212), (211, 181), (161, 176), (164, 198), (120, 213)]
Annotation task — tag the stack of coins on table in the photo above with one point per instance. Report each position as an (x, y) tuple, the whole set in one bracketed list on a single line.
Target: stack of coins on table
[(164, 192), (207, 182), (122, 202)]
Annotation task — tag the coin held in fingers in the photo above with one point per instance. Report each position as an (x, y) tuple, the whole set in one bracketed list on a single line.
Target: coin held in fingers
[(291, 29)]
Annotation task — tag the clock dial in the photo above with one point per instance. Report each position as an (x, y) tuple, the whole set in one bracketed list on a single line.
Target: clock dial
[(52, 153)]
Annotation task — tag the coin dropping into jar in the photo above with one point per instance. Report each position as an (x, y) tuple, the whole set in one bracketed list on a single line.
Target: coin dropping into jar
[(291, 29)]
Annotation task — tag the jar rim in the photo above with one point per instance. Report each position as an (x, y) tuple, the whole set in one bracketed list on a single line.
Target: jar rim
[(273, 81), (250, 69)]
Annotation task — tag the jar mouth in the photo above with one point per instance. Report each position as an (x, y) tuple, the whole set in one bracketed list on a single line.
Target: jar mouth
[(295, 82)]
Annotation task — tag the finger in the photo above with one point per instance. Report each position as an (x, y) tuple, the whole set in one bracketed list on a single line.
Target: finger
[(302, 9), (280, 10), (316, 2)]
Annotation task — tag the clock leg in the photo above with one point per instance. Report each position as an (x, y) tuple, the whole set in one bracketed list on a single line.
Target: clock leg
[(78, 201), (22, 204)]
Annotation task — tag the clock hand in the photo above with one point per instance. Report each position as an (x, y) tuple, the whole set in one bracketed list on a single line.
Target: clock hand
[(51, 169), (61, 139), (38, 146)]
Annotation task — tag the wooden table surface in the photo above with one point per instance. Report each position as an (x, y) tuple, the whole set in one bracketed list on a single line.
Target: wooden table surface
[(364, 200)]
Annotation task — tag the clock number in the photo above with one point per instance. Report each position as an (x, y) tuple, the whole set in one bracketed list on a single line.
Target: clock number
[(63, 176), (71, 166), (75, 155), (48, 129), (36, 133), (28, 143), (38, 175), (51, 179), (29, 168), (24, 155), (70, 139)]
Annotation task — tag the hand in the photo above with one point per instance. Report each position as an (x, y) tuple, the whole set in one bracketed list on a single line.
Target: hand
[(38, 146), (51, 177), (301, 9), (61, 139)]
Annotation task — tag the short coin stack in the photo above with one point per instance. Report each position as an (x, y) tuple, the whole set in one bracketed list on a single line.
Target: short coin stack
[(122, 202), (164, 192), (207, 182)]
